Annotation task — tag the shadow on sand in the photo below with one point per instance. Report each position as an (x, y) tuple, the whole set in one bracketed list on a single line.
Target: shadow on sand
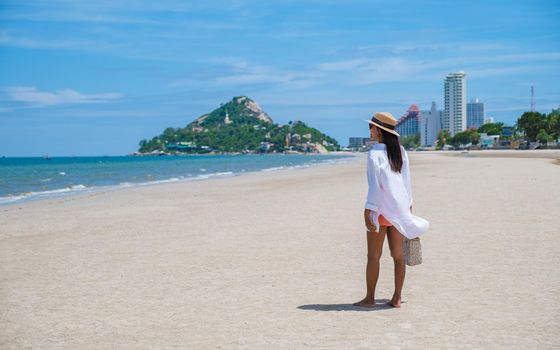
[(381, 304)]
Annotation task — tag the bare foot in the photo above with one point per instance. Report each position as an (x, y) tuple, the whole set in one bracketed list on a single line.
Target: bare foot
[(366, 302), (395, 302)]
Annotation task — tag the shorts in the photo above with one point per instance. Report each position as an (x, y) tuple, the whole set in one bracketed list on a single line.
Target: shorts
[(384, 222)]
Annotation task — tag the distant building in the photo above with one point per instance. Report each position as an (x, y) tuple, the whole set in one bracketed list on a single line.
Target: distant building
[(181, 145), (507, 131), (408, 124), (488, 120), (187, 147), (455, 111), (475, 114), (430, 125), (358, 142), (264, 146), (488, 141)]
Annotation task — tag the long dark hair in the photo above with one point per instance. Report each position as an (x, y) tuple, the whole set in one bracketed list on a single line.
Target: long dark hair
[(393, 148)]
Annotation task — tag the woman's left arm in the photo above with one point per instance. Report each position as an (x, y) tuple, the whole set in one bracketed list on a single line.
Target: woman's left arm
[(373, 191), (406, 175)]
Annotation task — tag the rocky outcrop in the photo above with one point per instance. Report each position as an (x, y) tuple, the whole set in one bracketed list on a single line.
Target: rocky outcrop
[(254, 108)]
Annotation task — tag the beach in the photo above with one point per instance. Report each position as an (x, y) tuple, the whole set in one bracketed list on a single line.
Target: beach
[(274, 261)]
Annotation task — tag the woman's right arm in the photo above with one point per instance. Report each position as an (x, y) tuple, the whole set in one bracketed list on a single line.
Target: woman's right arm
[(367, 219)]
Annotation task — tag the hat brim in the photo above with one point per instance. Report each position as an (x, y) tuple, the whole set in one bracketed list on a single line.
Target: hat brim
[(384, 128)]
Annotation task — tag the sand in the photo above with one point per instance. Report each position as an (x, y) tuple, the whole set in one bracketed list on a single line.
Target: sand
[(274, 261)]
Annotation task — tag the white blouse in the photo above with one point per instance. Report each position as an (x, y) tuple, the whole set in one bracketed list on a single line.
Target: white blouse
[(390, 193)]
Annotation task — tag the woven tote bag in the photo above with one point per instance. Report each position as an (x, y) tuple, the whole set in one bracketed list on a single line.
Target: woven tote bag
[(412, 251)]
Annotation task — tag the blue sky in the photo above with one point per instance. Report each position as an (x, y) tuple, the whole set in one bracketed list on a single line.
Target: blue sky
[(96, 77)]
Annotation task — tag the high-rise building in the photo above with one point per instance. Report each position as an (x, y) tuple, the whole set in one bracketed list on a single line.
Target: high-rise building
[(408, 124), (358, 142), (430, 125), (455, 111), (475, 114)]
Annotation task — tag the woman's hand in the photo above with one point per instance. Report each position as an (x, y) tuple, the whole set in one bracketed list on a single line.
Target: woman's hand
[(367, 218)]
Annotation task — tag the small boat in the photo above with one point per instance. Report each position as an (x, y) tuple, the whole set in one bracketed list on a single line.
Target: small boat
[(46, 157)]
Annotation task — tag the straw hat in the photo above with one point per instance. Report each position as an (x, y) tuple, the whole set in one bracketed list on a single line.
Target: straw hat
[(385, 121)]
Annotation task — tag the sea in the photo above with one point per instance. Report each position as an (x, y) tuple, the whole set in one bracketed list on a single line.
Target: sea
[(25, 179)]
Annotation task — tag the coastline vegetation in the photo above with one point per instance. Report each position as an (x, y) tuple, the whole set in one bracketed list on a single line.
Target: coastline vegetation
[(530, 127)]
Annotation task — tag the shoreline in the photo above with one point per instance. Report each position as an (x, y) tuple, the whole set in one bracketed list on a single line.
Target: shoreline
[(184, 155), (80, 190), (87, 191), (346, 153)]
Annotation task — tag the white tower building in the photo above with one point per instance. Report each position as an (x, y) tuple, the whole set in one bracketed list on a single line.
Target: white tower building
[(455, 111), (430, 125)]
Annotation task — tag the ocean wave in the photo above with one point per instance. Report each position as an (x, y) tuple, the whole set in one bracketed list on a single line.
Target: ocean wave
[(189, 176), (60, 190), (10, 199), (219, 174), (43, 194), (172, 179), (276, 168)]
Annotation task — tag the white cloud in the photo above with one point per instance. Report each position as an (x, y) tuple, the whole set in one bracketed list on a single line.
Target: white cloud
[(523, 108), (504, 71), (364, 71), (248, 75), (254, 75), (342, 65), (395, 68), (237, 72), (35, 97), (8, 40), (390, 69)]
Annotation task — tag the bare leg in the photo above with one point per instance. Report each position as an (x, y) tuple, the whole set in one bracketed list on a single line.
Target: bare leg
[(396, 239), (375, 248)]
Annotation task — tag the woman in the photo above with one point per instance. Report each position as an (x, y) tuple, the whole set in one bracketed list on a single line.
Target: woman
[(388, 206)]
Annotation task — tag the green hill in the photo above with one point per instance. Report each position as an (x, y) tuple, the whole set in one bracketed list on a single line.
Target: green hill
[(239, 126)]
